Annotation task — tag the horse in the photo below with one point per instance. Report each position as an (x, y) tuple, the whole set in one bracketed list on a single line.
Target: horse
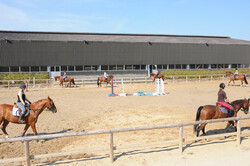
[(68, 79), (239, 77), (103, 79), (154, 76), (213, 112), (36, 109)]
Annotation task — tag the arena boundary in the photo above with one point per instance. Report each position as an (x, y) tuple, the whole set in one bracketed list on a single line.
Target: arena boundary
[(111, 148)]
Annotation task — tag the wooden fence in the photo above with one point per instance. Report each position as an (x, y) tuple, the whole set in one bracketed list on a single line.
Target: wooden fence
[(126, 80), (111, 148)]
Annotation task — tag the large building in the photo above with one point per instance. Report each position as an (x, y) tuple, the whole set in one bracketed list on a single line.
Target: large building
[(85, 53)]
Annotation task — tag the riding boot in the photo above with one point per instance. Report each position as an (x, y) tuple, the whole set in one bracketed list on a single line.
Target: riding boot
[(230, 113), (21, 118)]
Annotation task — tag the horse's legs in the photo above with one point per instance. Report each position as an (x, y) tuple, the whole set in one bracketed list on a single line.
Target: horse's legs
[(3, 127), (202, 127), (33, 126), (203, 131), (25, 129), (229, 82)]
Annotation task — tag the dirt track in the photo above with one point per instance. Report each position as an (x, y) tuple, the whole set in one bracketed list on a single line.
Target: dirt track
[(89, 108)]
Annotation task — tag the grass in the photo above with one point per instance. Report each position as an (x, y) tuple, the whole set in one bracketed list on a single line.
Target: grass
[(180, 72)]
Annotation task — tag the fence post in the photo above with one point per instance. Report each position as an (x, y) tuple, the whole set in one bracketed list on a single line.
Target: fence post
[(111, 147), (238, 132), (8, 84), (186, 78), (181, 139), (34, 84), (211, 78), (27, 152), (199, 78), (173, 79)]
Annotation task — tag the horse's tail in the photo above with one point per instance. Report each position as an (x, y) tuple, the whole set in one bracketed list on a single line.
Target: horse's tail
[(245, 79), (98, 82), (198, 114)]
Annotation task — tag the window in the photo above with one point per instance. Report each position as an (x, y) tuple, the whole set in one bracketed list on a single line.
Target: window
[(171, 66), (87, 67), (136, 67), (198, 66), (184, 66), (4, 69), (94, 67), (220, 66), (64, 68), (112, 67), (52, 68), (213, 66), (104, 67), (205, 66), (159, 66), (119, 67), (143, 67), (128, 67), (35, 68), (178, 66), (192, 66), (234, 66), (43, 68), (165, 66), (79, 68), (25, 68), (71, 68), (14, 69)]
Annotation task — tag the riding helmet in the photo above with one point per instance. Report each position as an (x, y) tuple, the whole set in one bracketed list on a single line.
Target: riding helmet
[(22, 86), (222, 85)]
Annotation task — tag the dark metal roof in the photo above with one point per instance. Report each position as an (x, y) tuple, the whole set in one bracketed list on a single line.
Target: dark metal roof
[(113, 37)]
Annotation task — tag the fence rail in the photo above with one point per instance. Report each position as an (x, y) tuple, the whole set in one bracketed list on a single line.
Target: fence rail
[(111, 148), (126, 80)]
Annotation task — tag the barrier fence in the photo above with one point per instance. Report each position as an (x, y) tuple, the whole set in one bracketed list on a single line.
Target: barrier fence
[(126, 80), (111, 148)]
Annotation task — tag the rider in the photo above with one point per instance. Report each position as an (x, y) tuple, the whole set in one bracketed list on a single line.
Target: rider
[(64, 76), (236, 73), (105, 75), (157, 73), (221, 100), (21, 98)]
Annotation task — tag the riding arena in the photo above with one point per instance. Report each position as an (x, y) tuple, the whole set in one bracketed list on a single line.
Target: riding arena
[(88, 108)]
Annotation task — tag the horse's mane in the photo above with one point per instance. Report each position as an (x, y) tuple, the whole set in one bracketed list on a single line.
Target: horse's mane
[(38, 101), (238, 101)]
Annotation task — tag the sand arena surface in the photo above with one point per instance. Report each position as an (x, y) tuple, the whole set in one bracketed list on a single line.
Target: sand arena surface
[(89, 108)]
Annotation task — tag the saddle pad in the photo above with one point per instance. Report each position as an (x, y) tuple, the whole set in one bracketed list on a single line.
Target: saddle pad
[(16, 113), (224, 110)]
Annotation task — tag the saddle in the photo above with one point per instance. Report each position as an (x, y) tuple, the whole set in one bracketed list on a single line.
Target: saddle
[(16, 111), (222, 108)]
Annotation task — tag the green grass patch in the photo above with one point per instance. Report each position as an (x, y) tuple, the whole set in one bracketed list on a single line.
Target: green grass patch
[(179, 73)]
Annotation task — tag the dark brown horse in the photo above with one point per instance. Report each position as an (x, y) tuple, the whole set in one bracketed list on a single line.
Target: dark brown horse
[(103, 79), (240, 77), (36, 109), (154, 76), (213, 112), (68, 79)]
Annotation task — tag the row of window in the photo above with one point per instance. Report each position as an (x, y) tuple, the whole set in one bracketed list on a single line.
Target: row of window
[(118, 67)]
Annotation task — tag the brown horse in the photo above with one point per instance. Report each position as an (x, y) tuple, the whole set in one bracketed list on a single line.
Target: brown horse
[(36, 109), (68, 79), (213, 112), (154, 76), (103, 79), (240, 77)]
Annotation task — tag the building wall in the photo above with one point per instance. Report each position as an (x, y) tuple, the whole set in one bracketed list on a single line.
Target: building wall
[(50, 53)]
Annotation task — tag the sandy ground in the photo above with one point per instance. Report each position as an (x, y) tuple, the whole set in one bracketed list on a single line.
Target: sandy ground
[(89, 108)]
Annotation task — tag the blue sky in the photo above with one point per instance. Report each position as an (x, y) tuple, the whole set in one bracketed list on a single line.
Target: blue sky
[(178, 17)]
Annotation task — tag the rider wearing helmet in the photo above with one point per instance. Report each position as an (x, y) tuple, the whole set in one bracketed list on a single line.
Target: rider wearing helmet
[(64, 76), (236, 73), (105, 74), (21, 98), (222, 97)]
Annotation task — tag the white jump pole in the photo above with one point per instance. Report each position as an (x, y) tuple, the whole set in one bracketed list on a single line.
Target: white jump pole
[(162, 87)]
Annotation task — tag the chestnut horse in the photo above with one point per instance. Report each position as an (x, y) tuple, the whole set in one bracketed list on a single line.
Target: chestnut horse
[(103, 79), (154, 76), (36, 109), (68, 79), (240, 77), (213, 112)]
